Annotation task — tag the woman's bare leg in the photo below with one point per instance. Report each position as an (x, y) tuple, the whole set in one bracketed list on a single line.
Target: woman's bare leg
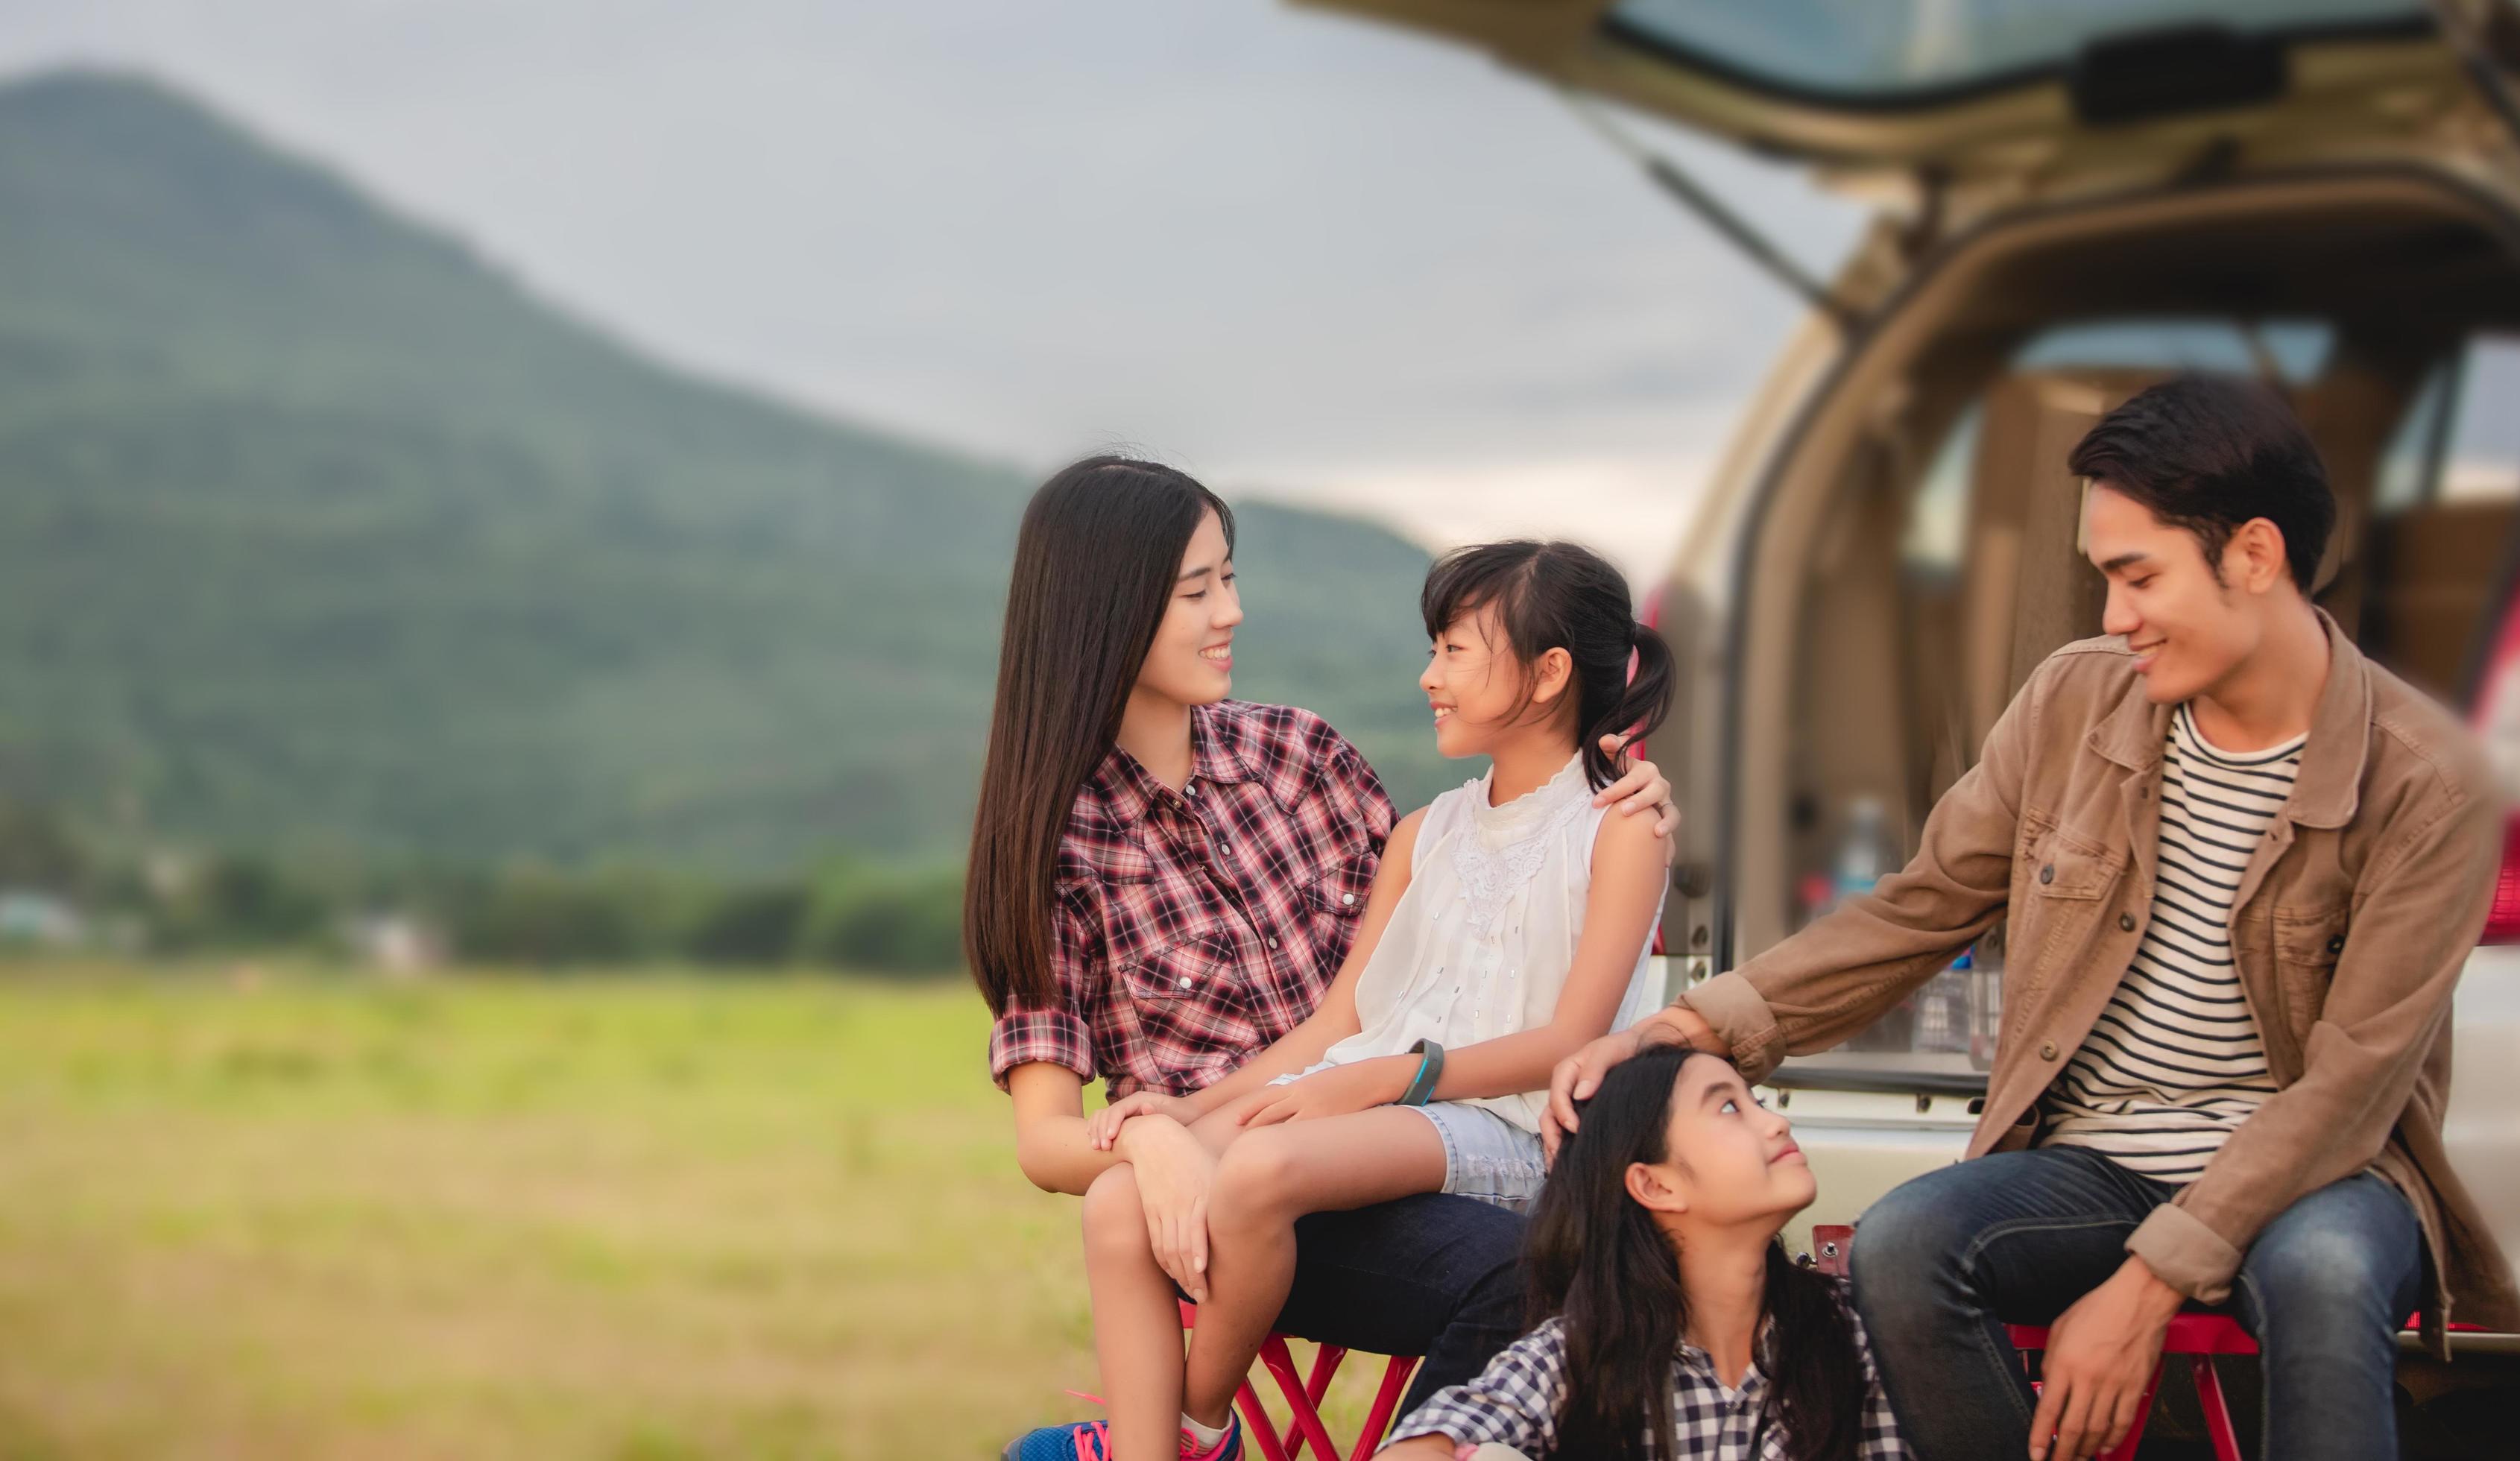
[(1265, 1180), (1137, 1314), (1137, 1321)]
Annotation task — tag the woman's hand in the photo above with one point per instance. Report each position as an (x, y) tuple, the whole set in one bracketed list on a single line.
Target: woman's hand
[(1336, 1091), (1643, 788), (1173, 1172), (1104, 1127)]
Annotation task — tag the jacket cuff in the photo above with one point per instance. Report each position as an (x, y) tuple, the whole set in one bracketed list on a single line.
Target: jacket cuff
[(2186, 1253), (1742, 1018)]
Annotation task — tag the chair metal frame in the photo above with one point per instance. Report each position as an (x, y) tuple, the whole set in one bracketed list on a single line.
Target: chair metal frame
[(1303, 1394), (2198, 1338)]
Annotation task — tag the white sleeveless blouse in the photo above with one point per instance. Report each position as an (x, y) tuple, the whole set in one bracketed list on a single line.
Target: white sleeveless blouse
[(1481, 941)]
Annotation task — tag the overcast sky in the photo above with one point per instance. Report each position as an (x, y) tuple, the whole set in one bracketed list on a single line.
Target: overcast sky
[(1298, 255)]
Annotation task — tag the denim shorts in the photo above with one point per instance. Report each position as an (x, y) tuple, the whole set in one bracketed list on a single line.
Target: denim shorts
[(1485, 1155)]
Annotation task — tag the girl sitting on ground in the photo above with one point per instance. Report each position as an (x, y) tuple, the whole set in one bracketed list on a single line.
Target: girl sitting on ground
[(1671, 1323), (1507, 926)]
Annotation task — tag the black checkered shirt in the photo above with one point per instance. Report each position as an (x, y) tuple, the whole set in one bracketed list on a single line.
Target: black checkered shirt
[(1515, 1402)]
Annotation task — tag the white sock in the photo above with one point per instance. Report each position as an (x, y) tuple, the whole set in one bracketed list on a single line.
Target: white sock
[(1206, 1436)]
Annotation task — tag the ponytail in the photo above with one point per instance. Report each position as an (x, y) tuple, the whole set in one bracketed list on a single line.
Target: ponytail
[(1641, 708)]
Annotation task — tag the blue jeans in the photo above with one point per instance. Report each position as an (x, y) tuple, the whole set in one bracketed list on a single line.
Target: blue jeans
[(1945, 1262), (1433, 1274)]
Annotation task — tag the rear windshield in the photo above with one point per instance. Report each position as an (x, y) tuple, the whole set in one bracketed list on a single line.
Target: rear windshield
[(1893, 52)]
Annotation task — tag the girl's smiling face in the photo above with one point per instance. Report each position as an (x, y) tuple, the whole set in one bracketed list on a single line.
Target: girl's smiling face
[(1727, 1159), (1475, 687), (1191, 660)]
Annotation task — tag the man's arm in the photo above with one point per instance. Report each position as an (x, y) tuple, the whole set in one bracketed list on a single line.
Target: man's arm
[(1830, 980), (2411, 935), (1836, 977)]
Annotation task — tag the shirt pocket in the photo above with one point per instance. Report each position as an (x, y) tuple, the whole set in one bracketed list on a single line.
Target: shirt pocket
[(2067, 879), (1332, 903), (1189, 999)]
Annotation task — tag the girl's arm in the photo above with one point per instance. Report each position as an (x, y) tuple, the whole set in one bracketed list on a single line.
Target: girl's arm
[(1618, 920), (1330, 1022), (1513, 1402), (1335, 1018)]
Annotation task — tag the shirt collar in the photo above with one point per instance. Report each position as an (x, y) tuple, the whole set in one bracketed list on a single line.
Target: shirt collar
[(1130, 790), (1702, 1364), (2324, 790)]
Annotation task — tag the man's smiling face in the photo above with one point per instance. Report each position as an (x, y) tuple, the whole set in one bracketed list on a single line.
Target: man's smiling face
[(2187, 626)]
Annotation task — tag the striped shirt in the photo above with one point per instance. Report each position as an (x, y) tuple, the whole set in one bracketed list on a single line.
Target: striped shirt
[(2175, 1063)]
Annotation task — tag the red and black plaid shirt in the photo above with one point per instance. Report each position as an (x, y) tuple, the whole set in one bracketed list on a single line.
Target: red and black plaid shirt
[(1195, 928)]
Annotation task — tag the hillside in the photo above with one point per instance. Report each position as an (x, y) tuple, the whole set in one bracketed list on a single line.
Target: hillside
[(317, 534)]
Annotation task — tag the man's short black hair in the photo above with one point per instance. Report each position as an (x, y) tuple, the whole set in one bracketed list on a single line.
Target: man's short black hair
[(2208, 453)]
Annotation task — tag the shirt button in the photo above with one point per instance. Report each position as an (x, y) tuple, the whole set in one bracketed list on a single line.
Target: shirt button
[(2048, 874), (1191, 787), (2047, 1051), (1184, 982), (1348, 898), (2126, 921), (1272, 943)]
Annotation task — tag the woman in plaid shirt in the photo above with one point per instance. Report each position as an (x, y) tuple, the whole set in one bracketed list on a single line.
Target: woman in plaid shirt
[(1671, 1325), (1163, 883)]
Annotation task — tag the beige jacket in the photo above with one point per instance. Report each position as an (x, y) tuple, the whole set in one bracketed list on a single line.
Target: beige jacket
[(2353, 922)]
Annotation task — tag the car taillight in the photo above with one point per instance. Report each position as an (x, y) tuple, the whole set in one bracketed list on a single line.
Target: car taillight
[(2497, 721)]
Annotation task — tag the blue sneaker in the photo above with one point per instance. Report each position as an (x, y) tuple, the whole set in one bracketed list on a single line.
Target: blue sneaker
[(1090, 1440)]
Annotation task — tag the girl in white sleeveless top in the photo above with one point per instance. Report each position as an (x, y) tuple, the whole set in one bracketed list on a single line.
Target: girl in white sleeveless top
[(1508, 925)]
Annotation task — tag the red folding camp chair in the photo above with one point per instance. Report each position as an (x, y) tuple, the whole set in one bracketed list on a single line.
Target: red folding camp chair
[(1303, 1395), (2199, 1337)]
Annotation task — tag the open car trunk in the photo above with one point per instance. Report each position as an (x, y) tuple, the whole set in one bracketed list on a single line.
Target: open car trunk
[(1910, 554), (1973, 105)]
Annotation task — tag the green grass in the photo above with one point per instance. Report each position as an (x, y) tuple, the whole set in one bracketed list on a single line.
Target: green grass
[(636, 1218)]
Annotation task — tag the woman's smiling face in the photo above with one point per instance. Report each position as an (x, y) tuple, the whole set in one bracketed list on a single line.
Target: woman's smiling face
[(1191, 660)]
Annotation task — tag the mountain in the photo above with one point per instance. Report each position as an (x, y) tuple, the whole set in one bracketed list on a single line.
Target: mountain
[(319, 535)]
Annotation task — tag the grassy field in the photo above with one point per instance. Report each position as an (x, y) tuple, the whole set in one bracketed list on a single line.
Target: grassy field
[(646, 1219)]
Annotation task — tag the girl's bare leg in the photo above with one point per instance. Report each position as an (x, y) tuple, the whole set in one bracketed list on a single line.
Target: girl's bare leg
[(1265, 1180)]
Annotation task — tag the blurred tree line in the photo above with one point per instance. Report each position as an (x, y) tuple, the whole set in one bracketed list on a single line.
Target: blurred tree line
[(847, 914)]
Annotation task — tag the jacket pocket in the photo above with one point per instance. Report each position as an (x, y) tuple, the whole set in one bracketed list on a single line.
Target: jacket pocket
[(2065, 880), (2307, 941)]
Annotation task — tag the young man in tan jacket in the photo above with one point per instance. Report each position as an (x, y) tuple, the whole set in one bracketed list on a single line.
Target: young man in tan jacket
[(2242, 867)]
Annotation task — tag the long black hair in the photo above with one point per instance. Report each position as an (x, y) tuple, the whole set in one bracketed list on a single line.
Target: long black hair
[(1597, 1261), (1560, 596), (1096, 561)]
